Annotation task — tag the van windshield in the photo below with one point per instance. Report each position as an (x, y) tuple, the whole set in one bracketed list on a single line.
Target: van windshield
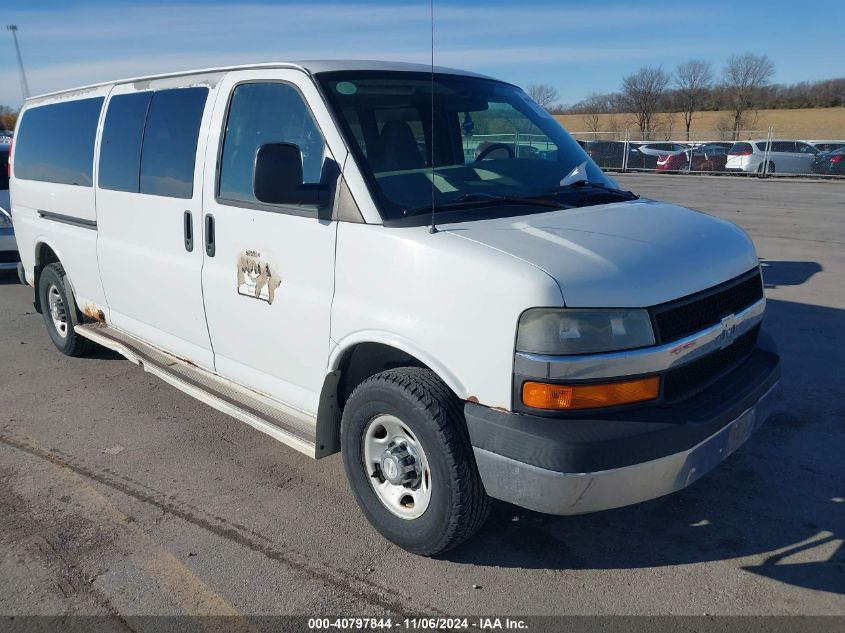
[(491, 143)]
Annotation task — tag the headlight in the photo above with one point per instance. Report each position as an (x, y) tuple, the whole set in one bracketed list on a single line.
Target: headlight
[(561, 331)]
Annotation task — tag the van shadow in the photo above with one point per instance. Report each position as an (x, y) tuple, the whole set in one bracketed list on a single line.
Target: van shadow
[(780, 496), (781, 273)]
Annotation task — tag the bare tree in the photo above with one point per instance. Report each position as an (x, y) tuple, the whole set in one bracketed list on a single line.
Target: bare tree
[(544, 94), (642, 93), (593, 107), (744, 76), (663, 126), (692, 82), (8, 117)]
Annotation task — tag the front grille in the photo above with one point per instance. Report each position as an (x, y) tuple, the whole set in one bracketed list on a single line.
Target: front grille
[(692, 314), (683, 381), (9, 257)]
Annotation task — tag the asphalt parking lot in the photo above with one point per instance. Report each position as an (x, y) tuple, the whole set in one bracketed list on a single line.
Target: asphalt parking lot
[(121, 495)]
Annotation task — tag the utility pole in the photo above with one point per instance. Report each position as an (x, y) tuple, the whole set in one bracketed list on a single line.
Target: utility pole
[(24, 84)]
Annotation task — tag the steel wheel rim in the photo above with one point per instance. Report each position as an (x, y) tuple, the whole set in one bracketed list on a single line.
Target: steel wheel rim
[(57, 310), (406, 501)]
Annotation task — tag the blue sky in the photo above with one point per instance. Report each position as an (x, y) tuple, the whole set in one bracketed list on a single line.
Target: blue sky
[(578, 47)]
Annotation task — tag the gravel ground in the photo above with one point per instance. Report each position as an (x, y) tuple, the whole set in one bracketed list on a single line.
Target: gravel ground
[(121, 496)]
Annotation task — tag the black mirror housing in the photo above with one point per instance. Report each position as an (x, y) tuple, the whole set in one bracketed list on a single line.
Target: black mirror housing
[(277, 177)]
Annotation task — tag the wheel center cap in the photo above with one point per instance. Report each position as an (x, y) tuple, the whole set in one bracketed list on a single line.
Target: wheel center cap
[(399, 464), (390, 469)]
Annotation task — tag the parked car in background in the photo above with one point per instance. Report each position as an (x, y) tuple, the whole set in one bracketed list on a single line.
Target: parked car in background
[(704, 158), (726, 145), (830, 163), (6, 136), (784, 157), (827, 146), (9, 257), (608, 154), (661, 149)]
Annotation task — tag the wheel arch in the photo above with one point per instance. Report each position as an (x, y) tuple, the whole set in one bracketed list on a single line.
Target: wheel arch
[(354, 360), (45, 254)]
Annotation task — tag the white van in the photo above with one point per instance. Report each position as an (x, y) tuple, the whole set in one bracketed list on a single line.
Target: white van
[(263, 238), (783, 157)]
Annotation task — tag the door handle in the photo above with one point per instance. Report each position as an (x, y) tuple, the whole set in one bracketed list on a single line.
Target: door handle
[(189, 231), (209, 235)]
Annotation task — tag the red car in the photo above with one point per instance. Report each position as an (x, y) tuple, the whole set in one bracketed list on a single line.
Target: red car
[(702, 158)]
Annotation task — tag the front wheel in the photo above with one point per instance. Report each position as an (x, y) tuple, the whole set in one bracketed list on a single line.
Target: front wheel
[(409, 461)]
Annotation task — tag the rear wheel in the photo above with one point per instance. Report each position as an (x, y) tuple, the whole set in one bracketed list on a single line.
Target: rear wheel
[(769, 171), (60, 313), (685, 168), (409, 461)]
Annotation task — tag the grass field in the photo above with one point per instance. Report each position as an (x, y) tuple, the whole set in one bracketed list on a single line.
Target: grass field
[(811, 123)]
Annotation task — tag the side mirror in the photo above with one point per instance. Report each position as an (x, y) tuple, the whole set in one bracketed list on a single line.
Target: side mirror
[(277, 177)]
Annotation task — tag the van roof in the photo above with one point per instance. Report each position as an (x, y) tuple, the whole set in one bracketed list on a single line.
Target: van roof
[(310, 67)]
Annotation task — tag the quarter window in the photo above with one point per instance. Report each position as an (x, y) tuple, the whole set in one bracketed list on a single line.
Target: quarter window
[(170, 142), (55, 143), (261, 113), (120, 147)]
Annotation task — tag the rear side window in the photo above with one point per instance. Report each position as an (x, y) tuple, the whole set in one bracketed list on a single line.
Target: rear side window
[(262, 113), (169, 150), (741, 148), (120, 147), (55, 143), (783, 146), (762, 146)]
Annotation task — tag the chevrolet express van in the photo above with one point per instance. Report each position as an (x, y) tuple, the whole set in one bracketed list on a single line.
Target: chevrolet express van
[(422, 271)]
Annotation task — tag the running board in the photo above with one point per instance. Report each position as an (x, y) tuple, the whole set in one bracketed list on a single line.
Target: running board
[(288, 425)]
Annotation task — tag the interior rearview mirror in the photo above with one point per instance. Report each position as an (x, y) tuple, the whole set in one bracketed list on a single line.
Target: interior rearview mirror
[(277, 177)]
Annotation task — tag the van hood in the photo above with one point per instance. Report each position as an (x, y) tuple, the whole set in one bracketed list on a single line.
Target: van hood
[(629, 254)]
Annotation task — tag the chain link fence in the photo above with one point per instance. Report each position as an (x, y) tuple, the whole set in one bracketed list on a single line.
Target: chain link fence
[(762, 153)]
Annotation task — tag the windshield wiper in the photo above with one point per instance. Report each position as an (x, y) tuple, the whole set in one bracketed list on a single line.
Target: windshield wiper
[(588, 184), (469, 200)]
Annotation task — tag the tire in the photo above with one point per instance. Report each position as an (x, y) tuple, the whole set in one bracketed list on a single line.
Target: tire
[(57, 307), (430, 417), (685, 169), (769, 172)]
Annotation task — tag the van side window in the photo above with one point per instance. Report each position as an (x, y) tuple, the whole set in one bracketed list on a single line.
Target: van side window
[(55, 143), (120, 146), (262, 113), (169, 150)]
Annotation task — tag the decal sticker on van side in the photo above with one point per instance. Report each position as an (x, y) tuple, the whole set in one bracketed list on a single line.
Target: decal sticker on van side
[(258, 276)]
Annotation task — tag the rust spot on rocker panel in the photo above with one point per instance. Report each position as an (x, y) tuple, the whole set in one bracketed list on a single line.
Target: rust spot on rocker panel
[(94, 313)]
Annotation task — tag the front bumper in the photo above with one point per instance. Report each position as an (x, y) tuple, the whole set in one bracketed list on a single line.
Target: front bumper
[(576, 466)]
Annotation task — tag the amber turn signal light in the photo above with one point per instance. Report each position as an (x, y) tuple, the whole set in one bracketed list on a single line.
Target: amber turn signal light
[(541, 395)]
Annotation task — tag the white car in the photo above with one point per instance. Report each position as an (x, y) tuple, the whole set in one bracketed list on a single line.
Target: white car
[(275, 241), (9, 258), (784, 157), (661, 149)]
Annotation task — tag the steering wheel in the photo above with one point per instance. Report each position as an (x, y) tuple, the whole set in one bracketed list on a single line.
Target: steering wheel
[(493, 147)]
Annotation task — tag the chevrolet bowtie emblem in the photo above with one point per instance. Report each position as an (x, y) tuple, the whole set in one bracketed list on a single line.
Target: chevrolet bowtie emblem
[(728, 330)]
